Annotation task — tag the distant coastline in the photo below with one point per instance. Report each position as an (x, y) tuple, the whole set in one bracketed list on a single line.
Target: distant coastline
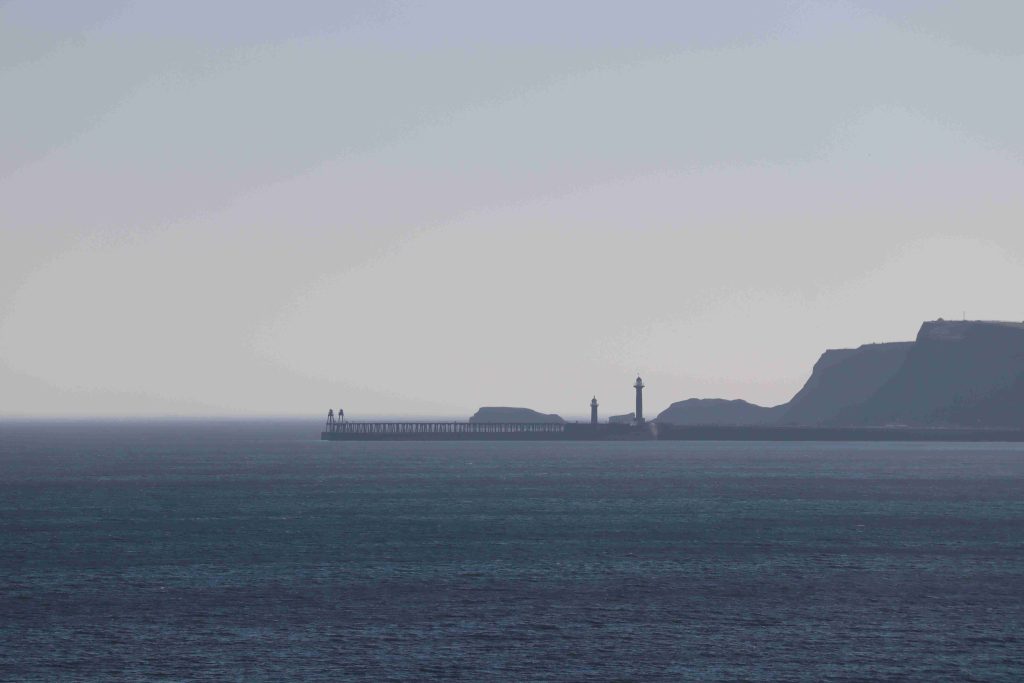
[(957, 381)]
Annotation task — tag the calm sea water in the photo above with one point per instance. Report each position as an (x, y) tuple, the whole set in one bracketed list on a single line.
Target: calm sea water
[(251, 552)]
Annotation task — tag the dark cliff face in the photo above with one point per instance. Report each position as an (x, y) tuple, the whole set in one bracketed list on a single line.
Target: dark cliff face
[(843, 378), (956, 374), (501, 414), (718, 411)]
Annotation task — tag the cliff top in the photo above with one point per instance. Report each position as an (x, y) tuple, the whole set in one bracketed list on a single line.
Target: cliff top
[(952, 330)]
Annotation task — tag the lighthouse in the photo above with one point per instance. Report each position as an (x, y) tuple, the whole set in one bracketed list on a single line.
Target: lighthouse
[(639, 386), (593, 411)]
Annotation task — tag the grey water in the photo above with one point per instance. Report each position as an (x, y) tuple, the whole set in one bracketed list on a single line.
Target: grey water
[(231, 551)]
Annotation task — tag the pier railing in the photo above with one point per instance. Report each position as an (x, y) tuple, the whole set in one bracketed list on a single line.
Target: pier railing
[(444, 427)]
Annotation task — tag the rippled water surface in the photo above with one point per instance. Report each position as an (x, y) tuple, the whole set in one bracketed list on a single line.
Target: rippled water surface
[(251, 552)]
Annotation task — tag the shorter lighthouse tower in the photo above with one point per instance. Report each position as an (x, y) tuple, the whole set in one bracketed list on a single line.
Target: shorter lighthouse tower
[(639, 386), (593, 411)]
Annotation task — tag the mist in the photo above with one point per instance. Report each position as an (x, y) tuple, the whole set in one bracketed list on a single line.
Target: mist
[(418, 210)]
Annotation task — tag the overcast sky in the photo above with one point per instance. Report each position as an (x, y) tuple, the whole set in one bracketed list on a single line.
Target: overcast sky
[(421, 208)]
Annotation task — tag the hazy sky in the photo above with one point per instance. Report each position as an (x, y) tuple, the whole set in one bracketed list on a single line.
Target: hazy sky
[(420, 208)]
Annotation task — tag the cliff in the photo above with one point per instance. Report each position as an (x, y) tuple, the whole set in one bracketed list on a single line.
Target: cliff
[(718, 411), (843, 378), (957, 373), (501, 414)]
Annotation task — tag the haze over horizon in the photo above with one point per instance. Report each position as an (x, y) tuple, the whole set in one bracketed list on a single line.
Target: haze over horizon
[(417, 210)]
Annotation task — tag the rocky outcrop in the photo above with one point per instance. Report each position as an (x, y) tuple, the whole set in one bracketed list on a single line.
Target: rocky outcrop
[(718, 411), (841, 379), (502, 414)]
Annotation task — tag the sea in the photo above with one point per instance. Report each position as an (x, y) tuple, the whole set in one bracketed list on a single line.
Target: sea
[(178, 550)]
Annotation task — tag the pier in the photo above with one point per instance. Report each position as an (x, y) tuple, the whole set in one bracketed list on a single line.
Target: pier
[(342, 430), (339, 429)]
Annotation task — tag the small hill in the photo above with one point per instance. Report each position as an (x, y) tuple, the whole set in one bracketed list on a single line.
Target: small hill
[(500, 414), (718, 411)]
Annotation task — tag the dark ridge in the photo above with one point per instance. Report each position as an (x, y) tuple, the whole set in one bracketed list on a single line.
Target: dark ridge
[(718, 411), (956, 374)]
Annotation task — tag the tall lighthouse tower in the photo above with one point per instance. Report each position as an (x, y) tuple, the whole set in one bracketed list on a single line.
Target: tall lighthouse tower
[(593, 411), (639, 386)]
